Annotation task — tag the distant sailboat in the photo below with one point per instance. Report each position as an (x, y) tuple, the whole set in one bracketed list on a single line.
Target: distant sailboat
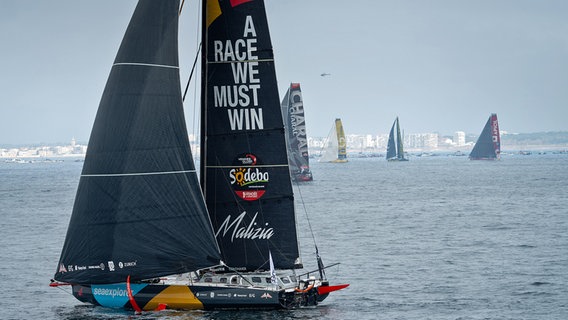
[(395, 150), (488, 145), (143, 235), (335, 146), (296, 136)]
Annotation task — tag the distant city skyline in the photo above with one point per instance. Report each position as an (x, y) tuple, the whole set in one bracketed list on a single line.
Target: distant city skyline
[(441, 66)]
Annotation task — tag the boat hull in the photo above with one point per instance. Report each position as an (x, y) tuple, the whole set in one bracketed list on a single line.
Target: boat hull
[(303, 178), (150, 296)]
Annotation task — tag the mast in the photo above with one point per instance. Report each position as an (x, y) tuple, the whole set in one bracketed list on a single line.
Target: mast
[(203, 104)]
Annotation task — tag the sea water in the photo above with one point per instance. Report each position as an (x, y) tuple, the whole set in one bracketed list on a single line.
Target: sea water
[(437, 237)]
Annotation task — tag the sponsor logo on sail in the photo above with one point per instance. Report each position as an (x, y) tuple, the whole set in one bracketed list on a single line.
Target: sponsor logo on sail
[(249, 182), (240, 230), (126, 264)]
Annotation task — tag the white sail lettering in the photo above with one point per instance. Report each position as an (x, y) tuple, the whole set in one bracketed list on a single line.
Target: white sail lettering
[(229, 53), (257, 119), (247, 118), (223, 97), (239, 50), (241, 231), (298, 124), (232, 96), (249, 27), (254, 88), (220, 96), (245, 72), (235, 119), (239, 72), (253, 72), (236, 95), (244, 99), (218, 49), (252, 119), (251, 48)]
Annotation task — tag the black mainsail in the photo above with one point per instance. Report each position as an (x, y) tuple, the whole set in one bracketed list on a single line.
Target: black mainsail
[(295, 124), (138, 209), (488, 145), (395, 150), (246, 175)]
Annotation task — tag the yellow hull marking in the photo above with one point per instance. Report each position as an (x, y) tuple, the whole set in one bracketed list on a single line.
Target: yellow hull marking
[(175, 297)]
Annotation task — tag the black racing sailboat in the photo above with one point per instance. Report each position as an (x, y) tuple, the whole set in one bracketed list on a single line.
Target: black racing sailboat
[(295, 125), (488, 145), (395, 150), (143, 235)]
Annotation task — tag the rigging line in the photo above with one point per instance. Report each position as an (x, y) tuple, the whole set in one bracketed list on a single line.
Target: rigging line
[(326, 141), (192, 70), (252, 166), (196, 105), (136, 173), (306, 214), (181, 7), (144, 65), (240, 61)]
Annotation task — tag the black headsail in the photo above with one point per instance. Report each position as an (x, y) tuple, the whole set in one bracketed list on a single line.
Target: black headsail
[(295, 124), (488, 144), (392, 145), (246, 176), (139, 210)]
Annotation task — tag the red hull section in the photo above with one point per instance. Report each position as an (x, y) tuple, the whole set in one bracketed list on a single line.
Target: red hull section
[(327, 289)]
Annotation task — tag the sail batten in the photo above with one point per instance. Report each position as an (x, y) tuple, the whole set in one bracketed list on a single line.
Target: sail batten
[(240, 61), (144, 65), (135, 174), (254, 166)]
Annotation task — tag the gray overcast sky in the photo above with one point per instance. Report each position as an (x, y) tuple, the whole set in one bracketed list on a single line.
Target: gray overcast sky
[(441, 66)]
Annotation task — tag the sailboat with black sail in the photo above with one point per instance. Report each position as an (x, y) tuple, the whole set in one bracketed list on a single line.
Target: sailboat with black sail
[(335, 145), (297, 139), (488, 145), (143, 235), (395, 150)]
